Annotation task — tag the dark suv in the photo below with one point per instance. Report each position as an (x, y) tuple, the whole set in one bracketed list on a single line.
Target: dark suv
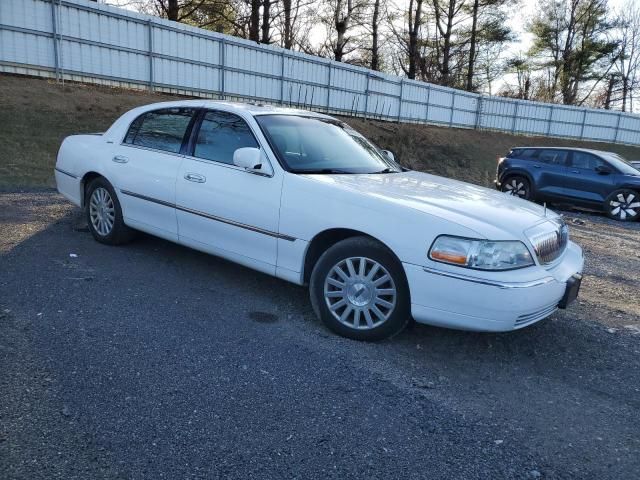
[(584, 178)]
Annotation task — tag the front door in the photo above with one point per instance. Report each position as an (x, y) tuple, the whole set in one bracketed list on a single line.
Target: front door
[(224, 209), (585, 184)]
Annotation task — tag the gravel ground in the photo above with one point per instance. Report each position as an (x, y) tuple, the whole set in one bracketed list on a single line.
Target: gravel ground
[(155, 361)]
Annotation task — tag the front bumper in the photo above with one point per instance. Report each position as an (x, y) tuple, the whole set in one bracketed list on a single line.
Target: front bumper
[(490, 301)]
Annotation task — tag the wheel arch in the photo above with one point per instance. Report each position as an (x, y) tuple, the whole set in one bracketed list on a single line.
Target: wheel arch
[(324, 240), (86, 180)]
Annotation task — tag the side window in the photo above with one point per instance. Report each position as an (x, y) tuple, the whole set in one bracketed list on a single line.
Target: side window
[(586, 161), (529, 153), (160, 129), (220, 135), (553, 157)]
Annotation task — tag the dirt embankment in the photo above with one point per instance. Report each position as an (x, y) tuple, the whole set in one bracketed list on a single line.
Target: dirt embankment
[(36, 114)]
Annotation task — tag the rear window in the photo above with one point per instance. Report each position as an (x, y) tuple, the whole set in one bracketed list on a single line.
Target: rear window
[(160, 129)]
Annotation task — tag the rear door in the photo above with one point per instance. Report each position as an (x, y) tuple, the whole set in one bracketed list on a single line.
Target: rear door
[(584, 183), (224, 209), (144, 169), (550, 170)]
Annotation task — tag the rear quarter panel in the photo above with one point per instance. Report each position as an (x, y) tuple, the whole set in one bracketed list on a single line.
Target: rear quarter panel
[(79, 155)]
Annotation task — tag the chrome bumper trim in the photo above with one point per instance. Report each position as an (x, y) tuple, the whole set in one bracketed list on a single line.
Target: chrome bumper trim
[(491, 283)]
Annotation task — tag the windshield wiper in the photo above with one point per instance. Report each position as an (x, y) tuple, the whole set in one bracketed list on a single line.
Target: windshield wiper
[(387, 170), (319, 170)]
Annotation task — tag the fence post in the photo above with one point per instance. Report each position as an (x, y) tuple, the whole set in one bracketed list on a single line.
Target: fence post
[(615, 137), (329, 89), (426, 112), (515, 116), (453, 103), (549, 120), (584, 119), (400, 101), (150, 41), (221, 55), (366, 97), (54, 30), (282, 59), (479, 112)]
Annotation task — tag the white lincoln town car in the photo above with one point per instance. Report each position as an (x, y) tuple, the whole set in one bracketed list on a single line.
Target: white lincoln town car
[(306, 198)]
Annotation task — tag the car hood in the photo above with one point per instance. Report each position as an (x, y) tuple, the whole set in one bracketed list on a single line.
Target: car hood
[(488, 212)]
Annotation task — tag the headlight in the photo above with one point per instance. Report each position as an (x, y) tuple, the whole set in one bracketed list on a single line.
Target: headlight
[(480, 254)]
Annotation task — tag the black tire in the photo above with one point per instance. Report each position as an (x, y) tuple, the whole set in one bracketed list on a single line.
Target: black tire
[(371, 252), (119, 233), (623, 205), (518, 186)]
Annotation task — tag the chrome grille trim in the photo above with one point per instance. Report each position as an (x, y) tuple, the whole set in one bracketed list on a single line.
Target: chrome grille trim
[(549, 246)]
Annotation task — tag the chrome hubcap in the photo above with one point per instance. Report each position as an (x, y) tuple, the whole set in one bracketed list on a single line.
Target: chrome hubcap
[(360, 293), (102, 211), (623, 207), (515, 188)]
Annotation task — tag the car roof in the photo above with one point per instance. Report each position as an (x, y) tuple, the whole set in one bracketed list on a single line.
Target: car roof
[(254, 109), (575, 149)]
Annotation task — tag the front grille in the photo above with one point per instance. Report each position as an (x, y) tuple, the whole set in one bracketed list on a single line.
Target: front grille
[(550, 245)]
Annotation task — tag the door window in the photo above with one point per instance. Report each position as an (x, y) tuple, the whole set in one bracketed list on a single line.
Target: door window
[(220, 135), (160, 129), (586, 161), (553, 157)]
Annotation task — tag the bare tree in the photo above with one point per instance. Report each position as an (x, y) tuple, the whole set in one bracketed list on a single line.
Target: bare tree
[(627, 65), (447, 17)]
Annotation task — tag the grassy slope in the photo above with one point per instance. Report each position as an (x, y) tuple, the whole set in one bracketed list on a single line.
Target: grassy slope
[(36, 114)]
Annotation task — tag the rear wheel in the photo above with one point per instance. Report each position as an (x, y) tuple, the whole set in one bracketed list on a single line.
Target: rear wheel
[(359, 290), (104, 215), (623, 205), (517, 186)]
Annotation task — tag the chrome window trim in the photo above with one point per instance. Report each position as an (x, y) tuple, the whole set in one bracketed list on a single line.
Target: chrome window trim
[(150, 149), (491, 283), (232, 167), (210, 217)]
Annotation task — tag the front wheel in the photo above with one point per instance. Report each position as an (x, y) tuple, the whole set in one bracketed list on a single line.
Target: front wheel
[(517, 186), (623, 205), (359, 290)]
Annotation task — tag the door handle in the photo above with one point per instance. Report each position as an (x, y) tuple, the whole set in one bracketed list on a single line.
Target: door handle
[(575, 171), (195, 177), (120, 159), (537, 166)]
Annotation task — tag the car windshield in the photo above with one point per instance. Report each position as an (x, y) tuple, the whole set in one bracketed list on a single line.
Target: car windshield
[(621, 164), (322, 145)]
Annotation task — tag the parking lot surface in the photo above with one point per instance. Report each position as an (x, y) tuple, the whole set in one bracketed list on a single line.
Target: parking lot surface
[(155, 361)]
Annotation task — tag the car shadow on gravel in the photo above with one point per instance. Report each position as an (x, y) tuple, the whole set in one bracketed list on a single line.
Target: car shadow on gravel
[(565, 389)]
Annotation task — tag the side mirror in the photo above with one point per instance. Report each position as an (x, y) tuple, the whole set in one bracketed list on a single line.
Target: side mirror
[(248, 157), (389, 155), (603, 170)]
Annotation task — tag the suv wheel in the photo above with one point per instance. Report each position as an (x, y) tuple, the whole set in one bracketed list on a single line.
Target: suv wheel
[(623, 205), (359, 290), (517, 186)]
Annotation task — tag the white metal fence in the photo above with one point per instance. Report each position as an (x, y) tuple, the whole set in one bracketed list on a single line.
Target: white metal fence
[(82, 40)]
